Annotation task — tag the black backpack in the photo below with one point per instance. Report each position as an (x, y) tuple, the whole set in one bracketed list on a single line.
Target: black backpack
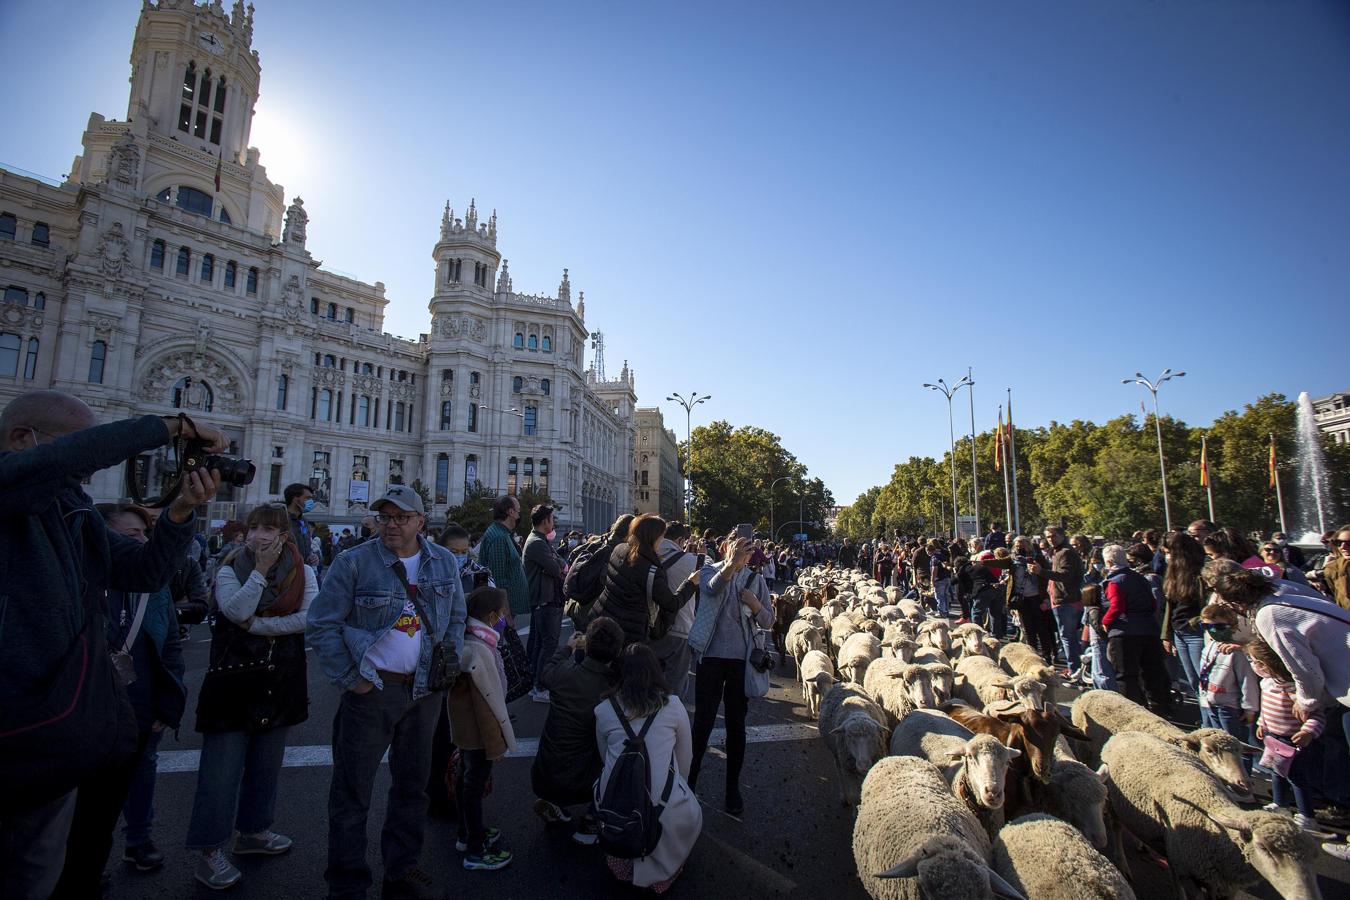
[(629, 824), (586, 578)]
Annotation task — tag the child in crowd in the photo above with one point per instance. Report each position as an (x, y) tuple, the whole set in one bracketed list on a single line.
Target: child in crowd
[(1230, 693), (1284, 736), (480, 727)]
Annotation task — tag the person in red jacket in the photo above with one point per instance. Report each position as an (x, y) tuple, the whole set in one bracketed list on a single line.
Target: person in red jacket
[(1133, 641)]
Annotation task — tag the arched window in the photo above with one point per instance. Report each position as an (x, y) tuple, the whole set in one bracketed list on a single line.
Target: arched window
[(251, 286), (548, 344), (184, 262), (225, 215), (519, 342), (325, 411), (283, 384), (41, 234), (534, 342), (447, 413), (193, 393), (9, 354), (517, 384), (208, 268), (363, 411), (231, 272), (97, 357), (157, 255), (8, 226), (30, 364), (16, 295), (546, 386), (40, 301)]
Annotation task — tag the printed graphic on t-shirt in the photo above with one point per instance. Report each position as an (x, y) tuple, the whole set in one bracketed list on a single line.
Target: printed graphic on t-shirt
[(408, 623)]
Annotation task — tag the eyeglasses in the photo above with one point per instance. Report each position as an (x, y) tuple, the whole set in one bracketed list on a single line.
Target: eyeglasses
[(395, 520), (1342, 543), (1270, 549)]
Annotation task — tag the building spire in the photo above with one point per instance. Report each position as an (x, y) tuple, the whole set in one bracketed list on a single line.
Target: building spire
[(446, 219), (504, 278), (471, 217), (581, 307), (492, 228), (565, 289)]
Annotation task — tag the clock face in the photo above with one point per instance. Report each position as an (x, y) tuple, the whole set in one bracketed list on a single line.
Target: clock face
[(210, 42)]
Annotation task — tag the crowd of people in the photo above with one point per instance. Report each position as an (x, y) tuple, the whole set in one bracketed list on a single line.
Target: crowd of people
[(419, 632)]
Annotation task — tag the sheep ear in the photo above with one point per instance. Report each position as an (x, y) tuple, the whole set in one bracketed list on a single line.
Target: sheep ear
[(1013, 752), (955, 756), (1250, 749), (1001, 888), (838, 729), (1104, 773), (1224, 820), (906, 868)]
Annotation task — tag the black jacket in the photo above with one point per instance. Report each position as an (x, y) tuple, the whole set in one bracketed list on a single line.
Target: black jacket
[(568, 762), (624, 598), (188, 589), (240, 695), (543, 571)]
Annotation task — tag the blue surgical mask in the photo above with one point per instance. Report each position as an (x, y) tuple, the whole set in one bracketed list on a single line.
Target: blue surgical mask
[(309, 504), (460, 560)]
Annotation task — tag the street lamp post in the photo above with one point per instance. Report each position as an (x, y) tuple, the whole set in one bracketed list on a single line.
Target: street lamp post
[(771, 487), (1152, 386), (942, 388), (688, 403)]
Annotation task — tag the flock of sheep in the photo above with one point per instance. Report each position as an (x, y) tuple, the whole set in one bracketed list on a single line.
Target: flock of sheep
[(968, 781)]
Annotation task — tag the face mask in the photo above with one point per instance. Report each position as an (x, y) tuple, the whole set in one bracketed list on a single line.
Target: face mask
[(1280, 543), (308, 505), (571, 542), (551, 535), (460, 560)]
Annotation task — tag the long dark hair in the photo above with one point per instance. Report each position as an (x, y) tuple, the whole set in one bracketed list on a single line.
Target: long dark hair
[(642, 689), (646, 531), (1185, 559)]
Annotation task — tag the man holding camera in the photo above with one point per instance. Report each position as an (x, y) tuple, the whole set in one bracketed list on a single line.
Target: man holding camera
[(387, 626), (64, 714)]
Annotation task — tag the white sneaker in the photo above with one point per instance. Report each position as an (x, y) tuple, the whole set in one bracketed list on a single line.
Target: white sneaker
[(1312, 826), (215, 870), (1338, 849), (539, 696), (1272, 807)]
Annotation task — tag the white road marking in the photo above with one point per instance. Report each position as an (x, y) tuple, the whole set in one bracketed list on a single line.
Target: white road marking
[(322, 754)]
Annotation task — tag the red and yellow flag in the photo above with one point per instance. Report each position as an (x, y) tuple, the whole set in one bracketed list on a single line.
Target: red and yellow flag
[(1204, 463), (1272, 461), (998, 442)]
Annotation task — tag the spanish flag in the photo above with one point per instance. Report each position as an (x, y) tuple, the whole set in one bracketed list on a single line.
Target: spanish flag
[(998, 441), (1272, 460), (1204, 462)]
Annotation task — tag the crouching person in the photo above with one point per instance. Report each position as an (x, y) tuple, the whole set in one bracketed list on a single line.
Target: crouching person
[(480, 728), (568, 761), (642, 710)]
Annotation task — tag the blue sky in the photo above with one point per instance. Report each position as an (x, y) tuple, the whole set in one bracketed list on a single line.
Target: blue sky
[(807, 211)]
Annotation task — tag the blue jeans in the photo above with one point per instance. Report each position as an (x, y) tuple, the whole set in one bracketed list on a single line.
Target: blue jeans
[(1068, 621), (941, 592), (1189, 645), (236, 786), (545, 626), (1103, 673), (138, 812)]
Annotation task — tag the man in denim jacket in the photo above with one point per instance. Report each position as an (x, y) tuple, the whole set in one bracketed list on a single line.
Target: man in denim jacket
[(373, 643)]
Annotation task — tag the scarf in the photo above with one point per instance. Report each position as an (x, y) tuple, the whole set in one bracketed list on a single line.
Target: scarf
[(285, 586), (488, 635)]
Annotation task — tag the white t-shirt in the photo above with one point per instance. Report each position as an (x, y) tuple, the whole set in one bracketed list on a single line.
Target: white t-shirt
[(400, 648)]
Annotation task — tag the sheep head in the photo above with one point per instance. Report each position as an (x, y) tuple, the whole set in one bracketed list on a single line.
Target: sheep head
[(861, 743), (902, 647), (1030, 691), (1274, 846), (943, 678), (1039, 731), (946, 866), (918, 686), (1222, 755), (985, 762)]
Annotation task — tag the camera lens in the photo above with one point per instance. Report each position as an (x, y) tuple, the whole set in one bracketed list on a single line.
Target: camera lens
[(233, 470)]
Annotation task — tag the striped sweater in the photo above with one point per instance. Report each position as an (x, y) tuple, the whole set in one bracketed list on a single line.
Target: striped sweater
[(1277, 711)]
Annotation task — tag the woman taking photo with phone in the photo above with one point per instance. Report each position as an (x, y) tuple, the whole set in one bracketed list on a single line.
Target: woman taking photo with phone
[(253, 692)]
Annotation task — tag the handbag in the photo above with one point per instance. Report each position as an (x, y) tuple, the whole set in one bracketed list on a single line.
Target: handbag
[(516, 664), (756, 678), (444, 668), (121, 659)]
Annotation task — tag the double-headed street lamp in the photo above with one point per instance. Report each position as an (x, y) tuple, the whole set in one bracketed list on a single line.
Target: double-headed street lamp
[(688, 403), (942, 388), (1166, 376), (771, 487)]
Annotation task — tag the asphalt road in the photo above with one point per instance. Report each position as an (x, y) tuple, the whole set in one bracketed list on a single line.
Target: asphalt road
[(794, 839)]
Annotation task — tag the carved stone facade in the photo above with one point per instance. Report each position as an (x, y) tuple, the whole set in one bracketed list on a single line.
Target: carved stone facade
[(658, 478), (144, 286)]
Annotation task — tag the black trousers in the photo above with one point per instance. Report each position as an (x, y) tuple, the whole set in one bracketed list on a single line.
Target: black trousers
[(474, 770), (720, 682), (442, 748), (98, 803), (1038, 627), (1139, 658)]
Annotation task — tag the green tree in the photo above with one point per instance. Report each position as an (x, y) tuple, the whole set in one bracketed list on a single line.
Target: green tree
[(475, 513)]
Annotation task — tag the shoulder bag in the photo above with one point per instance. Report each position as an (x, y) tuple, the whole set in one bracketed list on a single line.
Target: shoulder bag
[(444, 667)]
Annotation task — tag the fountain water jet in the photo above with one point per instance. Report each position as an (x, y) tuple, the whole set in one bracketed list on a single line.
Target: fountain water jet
[(1310, 514)]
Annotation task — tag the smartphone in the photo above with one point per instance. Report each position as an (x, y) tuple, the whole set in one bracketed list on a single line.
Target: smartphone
[(745, 530)]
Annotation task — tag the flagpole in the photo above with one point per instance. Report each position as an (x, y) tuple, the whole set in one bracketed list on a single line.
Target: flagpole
[(974, 470), (1275, 477), (1002, 460), (1209, 480), (1012, 464)]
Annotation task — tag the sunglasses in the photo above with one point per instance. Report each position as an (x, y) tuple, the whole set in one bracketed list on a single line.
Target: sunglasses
[(1342, 543)]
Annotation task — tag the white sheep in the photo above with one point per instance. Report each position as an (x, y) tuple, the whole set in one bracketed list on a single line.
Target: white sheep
[(1046, 859), (888, 614), (1018, 658), (896, 646), (1073, 793), (840, 629), (944, 678), (857, 653), (899, 687), (936, 633), (911, 609), (913, 839), (968, 640), (802, 638), (854, 729), (975, 766), (817, 676), (985, 682), (1105, 713), (872, 627), (1165, 796)]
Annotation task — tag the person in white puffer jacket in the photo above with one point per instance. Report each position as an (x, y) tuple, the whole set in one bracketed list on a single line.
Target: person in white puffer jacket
[(1230, 692)]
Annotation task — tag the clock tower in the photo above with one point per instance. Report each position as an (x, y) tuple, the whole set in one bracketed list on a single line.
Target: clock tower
[(194, 75)]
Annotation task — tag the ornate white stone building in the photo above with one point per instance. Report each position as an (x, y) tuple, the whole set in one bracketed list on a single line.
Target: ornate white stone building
[(168, 272), (658, 482), (1333, 415)]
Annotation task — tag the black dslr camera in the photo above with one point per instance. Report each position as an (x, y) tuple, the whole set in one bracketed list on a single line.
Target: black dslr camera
[(154, 481), (233, 469), (762, 660)]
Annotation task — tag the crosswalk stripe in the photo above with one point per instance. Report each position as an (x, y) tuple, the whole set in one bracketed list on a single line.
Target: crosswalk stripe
[(171, 761)]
